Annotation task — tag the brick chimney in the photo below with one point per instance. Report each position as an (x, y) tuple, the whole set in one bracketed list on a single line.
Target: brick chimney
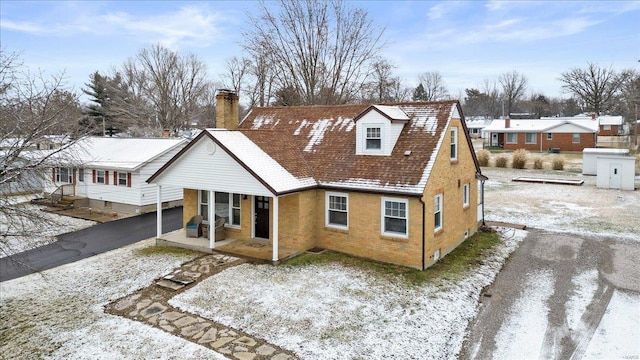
[(227, 109), (507, 122)]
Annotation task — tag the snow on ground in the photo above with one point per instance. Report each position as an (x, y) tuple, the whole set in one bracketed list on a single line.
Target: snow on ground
[(586, 285), (582, 209), (42, 232), (522, 333), (620, 322), (332, 311), (59, 314)]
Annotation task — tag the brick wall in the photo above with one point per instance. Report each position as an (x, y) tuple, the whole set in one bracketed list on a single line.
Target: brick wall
[(363, 237), (611, 132), (563, 141), (448, 178)]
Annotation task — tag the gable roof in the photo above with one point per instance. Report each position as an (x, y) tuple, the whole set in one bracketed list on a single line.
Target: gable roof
[(116, 153), (293, 148)]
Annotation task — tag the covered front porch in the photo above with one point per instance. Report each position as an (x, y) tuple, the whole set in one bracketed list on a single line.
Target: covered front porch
[(253, 249)]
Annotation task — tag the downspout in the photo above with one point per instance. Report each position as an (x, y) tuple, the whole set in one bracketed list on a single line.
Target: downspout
[(482, 184), (424, 225)]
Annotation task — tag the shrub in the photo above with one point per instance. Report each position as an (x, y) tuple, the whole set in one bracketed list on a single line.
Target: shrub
[(519, 158), (537, 162), (483, 157), (558, 163), (501, 161)]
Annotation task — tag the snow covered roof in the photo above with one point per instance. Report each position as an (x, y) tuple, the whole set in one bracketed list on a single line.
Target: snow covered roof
[(610, 120), (540, 125), (478, 124), (299, 147), (117, 153), (270, 171)]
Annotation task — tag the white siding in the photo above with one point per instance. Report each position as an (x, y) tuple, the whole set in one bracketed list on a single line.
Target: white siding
[(198, 169), (148, 191), (625, 165), (569, 128), (390, 133), (590, 155)]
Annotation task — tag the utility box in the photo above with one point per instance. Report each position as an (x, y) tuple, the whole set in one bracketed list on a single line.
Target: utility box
[(590, 155), (616, 172)]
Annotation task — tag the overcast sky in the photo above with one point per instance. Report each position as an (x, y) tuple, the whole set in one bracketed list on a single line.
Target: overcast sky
[(466, 42)]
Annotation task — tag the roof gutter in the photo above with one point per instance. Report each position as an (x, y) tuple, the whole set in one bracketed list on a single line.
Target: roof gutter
[(424, 231)]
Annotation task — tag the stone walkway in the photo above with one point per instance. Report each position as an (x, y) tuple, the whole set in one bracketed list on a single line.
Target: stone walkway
[(151, 306)]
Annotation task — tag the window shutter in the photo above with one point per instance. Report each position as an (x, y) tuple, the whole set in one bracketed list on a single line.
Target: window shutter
[(53, 174), (115, 178), (94, 176), (128, 179), (106, 177), (73, 181)]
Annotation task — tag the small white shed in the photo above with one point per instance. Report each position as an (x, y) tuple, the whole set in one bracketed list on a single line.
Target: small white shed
[(590, 155), (616, 172)]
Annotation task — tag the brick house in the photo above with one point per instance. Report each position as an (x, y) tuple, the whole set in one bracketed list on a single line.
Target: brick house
[(564, 134), (610, 125), (397, 183)]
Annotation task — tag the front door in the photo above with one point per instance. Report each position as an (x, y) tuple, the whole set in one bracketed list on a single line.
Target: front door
[(261, 209), (614, 176)]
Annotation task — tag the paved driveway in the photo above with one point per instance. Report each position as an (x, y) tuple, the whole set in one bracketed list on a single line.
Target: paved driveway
[(561, 296), (88, 242)]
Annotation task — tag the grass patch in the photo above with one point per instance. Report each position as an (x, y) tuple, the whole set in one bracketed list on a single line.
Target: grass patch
[(163, 250), (451, 267)]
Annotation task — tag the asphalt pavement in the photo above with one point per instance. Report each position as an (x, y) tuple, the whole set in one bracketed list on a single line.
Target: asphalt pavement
[(88, 242)]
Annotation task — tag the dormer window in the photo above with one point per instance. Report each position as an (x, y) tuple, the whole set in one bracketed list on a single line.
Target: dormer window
[(374, 139)]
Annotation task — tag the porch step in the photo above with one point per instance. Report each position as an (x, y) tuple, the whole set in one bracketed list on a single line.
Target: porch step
[(178, 279)]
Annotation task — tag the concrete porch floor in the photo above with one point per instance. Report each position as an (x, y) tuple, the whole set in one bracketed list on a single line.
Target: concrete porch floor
[(255, 249)]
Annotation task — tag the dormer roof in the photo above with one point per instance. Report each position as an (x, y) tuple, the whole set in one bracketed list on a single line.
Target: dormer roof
[(393, 113)]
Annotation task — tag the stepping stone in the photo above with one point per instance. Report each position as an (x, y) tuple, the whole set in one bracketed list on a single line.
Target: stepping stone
[(221, 342), (191, 330), (168, 328), (171, 315), (126, 302), (157, 297), (153, 309), (184, 321), (245, 340), (169, 284), (153, 320), (204, 268), (209, 336), (143, 304), (265, 350), (240, 349), (244, 355), (281, 356), (225, 350)]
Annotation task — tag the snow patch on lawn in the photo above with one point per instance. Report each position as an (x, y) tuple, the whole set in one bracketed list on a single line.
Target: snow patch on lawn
[(59, 314), (621, 321), (332, 311), (522, 333)]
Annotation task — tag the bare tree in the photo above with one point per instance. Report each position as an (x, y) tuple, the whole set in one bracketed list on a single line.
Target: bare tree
[(322, 49), (33, 106), (596, 86), (172, 85), (431, 87), (514, 86), (383, 86)]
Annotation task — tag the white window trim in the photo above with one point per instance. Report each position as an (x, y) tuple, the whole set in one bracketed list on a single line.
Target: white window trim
[(104, 177), (327, 209), (535, 138), (231, 208), (380, 151), (465, 195), (383, 215), (512, 142), (438, 199), (126, 178), (549, 136), (573, 138), (454, 143), (68, 172), (200, 203), (81, 175)]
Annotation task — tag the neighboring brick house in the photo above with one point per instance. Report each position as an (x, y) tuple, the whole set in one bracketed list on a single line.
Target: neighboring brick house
[(397, 183), (610, 125), (564, 134)]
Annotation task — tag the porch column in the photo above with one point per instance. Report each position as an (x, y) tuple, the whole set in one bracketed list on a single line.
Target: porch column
[(212, 219), (275, 228), (158, 211)]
